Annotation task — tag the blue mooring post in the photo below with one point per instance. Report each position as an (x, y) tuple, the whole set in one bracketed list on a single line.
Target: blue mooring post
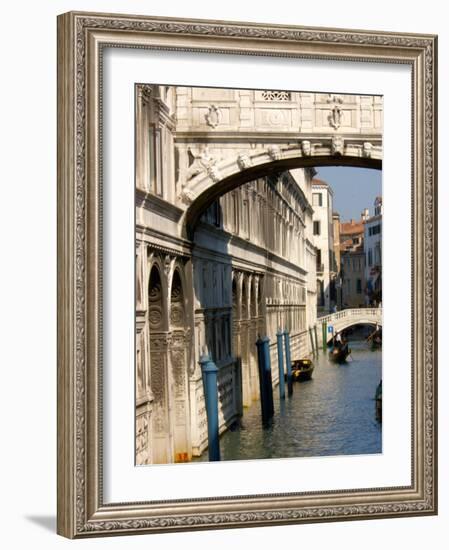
[(279, 336), (268, 379), (210, 370), (288, 361), (266, 388)]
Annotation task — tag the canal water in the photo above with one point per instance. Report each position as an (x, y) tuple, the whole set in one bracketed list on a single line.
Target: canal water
[(332, 414)]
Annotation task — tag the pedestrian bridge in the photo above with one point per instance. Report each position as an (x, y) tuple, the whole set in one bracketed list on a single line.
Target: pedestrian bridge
[(348, 318)]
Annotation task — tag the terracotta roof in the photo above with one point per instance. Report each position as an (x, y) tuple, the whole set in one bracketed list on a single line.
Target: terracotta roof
[(348, 245), (352, 227)]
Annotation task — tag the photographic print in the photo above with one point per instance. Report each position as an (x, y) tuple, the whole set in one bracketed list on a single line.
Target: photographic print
[(258, 274)]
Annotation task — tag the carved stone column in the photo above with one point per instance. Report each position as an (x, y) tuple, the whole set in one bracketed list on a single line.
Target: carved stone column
[(162, 444), (180, 396), (179, 389), (144, 396)]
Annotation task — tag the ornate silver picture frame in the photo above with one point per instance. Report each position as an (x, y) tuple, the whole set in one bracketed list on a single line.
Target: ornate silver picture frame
[(83, 510)]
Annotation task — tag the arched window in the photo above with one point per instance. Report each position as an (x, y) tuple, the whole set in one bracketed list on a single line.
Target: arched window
[(155, 313), (177, 310)]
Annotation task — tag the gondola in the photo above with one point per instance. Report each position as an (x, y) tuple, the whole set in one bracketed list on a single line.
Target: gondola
[(378, 400), (339, 354), (302, 369), (375, 339)]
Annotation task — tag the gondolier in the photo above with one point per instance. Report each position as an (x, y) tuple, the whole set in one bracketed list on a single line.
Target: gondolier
[(340, 349)]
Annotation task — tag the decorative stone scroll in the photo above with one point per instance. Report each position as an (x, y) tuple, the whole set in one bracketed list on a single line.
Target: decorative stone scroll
[(145, 92)]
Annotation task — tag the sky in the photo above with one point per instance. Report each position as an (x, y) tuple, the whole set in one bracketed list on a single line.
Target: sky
[(354, 189)]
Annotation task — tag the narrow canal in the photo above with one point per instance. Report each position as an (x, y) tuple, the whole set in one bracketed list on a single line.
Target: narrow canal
[(332, 414)]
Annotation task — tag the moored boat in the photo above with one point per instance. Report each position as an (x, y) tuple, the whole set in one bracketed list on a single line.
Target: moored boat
[(376, 342), (375, 338), (302, 369), (378, 399)]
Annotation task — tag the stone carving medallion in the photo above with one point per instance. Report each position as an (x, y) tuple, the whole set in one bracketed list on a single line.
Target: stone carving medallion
[(213, 116)]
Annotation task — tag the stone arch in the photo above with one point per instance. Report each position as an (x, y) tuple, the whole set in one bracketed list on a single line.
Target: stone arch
[(210, 184), (155, 262), (178, 299), (350, 317), (351, 323), (156, 299), (182, 270)]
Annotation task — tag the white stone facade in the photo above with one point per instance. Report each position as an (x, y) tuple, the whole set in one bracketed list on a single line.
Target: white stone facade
[(353, 266), (323, 239), (373, 253)]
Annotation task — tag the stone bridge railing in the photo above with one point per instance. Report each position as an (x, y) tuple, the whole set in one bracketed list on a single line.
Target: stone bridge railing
[(349, 317)]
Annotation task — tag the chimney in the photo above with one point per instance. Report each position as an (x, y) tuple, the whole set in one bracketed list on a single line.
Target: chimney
[(365, 214)]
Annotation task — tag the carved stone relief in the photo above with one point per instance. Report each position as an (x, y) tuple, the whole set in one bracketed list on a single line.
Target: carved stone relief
[(367, 149), (306, 148), (276, 95), (142, 439), (201, 160), (178, 369), (145, 91), (244, 161), (335, 117), (337, 146), (274, 152), (155, 311), (213, 116)]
